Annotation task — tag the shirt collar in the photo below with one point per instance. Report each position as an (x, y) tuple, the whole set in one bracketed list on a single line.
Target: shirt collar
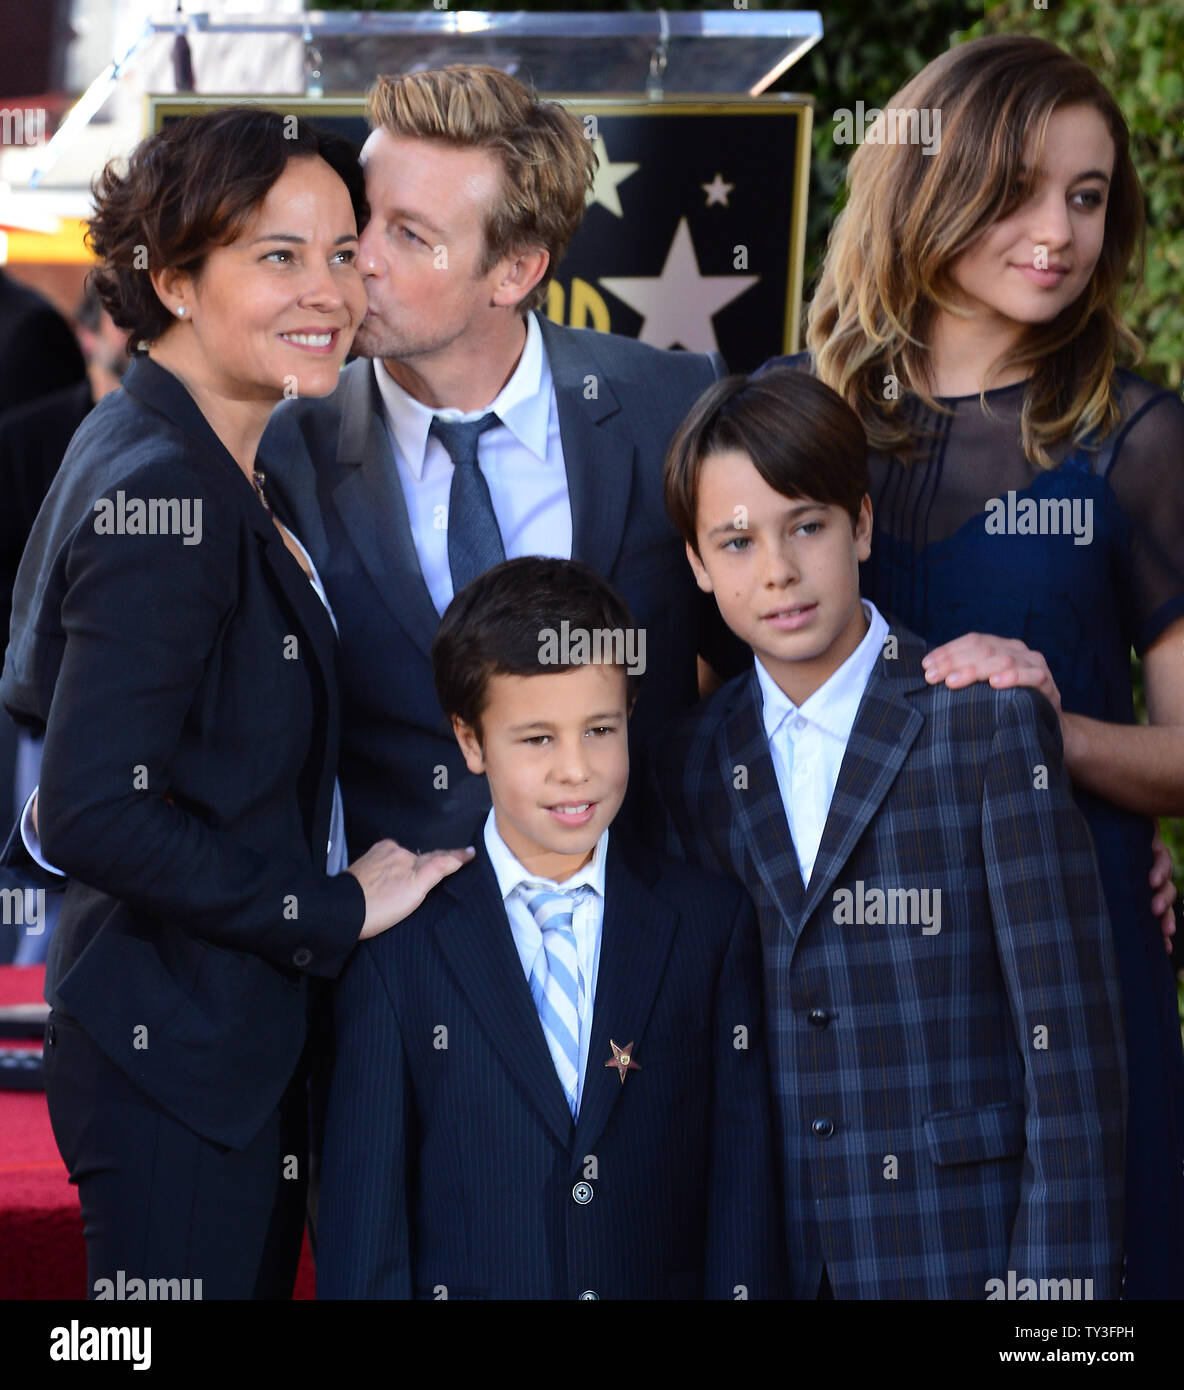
[(510, 873), (834, 705), (523, 405)]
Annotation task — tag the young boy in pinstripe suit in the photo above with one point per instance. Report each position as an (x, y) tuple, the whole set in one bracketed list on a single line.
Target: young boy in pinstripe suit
[(941, 987), (552, 1084)]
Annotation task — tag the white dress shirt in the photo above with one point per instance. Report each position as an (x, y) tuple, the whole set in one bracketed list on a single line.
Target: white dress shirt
[(587, 920), (337, 853), (808, 741), (521, 460)]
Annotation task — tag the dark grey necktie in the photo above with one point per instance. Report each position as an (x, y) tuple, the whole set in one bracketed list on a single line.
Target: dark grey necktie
[(474, 540)]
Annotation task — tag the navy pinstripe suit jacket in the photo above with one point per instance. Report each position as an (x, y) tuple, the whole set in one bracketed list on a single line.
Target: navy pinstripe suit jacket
[(952, 1101), (451, 1161)]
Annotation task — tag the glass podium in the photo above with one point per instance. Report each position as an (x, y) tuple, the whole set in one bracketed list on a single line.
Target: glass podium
[(694, 234), (734, 51)]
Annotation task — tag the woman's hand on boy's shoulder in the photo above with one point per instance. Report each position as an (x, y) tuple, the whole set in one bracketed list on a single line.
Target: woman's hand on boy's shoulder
[(396, 880), (1002, 661)]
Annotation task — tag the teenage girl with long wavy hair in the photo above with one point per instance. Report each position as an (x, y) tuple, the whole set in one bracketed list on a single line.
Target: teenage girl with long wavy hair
[(1029, 488)]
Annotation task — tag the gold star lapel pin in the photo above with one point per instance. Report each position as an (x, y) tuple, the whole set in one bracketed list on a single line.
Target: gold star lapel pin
[(622, 1059)]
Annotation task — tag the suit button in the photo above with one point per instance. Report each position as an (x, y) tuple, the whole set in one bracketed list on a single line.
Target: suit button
[(823, 1128), (818, 1017), (590, 1294), (302, 957), (50, 1036), (582, 1192)]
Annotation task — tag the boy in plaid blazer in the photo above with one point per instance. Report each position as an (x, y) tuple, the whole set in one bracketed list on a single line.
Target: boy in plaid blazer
[(941, 987)]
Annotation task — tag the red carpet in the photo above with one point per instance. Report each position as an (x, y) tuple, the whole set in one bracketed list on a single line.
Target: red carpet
[(40, 1226)]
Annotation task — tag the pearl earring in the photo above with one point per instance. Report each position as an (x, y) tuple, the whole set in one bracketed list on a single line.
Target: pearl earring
[(180, 311)]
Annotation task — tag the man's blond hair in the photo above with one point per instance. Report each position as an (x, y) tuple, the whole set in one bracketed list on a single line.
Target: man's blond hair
[(548, 164)]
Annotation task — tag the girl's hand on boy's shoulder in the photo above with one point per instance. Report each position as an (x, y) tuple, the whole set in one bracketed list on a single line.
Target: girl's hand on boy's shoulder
[(1002, 661)]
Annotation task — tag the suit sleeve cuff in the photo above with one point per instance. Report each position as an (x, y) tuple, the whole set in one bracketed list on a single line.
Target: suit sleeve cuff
[(340, 911)]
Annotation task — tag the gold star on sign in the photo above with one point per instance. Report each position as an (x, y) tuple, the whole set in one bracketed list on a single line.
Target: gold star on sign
[(622, 1059)]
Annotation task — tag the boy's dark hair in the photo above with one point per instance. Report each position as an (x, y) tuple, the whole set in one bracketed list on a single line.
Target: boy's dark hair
[(802, 437), (495, 626), (189, 188)]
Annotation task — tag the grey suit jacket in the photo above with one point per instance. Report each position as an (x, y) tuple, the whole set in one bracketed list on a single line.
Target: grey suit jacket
[(332, 476)]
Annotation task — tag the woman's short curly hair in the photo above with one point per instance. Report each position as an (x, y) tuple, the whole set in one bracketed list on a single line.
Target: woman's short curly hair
[(189, 188)]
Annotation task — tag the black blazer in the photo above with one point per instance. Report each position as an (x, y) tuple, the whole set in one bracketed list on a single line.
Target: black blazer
[(451, 1160), (190, 695), (331, 472), (38, 352)]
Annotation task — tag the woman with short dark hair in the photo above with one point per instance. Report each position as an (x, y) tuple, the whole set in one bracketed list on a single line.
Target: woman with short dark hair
[(173, 639)]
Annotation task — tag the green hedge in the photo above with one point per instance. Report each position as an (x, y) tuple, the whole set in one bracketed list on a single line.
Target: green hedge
[(1135, 47)]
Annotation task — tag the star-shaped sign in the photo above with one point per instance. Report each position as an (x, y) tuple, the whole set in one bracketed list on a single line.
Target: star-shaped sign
[(622, 1059), (677, 306), (608, 175), (717, 191)]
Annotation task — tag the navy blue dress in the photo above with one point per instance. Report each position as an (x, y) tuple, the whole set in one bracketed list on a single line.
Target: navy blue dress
[(953, 551)]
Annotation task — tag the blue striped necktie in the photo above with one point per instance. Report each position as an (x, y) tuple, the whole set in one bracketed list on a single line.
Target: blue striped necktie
[(556, 982), (474, 538)]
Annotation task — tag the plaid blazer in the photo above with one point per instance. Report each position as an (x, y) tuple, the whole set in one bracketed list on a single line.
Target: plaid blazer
[(949, 1071)]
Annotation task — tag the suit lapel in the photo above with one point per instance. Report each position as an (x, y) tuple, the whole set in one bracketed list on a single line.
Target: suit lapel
[(163, 393), (288, 575), (757, 803), (476, 940), (598, 457), (885, 728), (637, 933), (373, 510), (321, 641)]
